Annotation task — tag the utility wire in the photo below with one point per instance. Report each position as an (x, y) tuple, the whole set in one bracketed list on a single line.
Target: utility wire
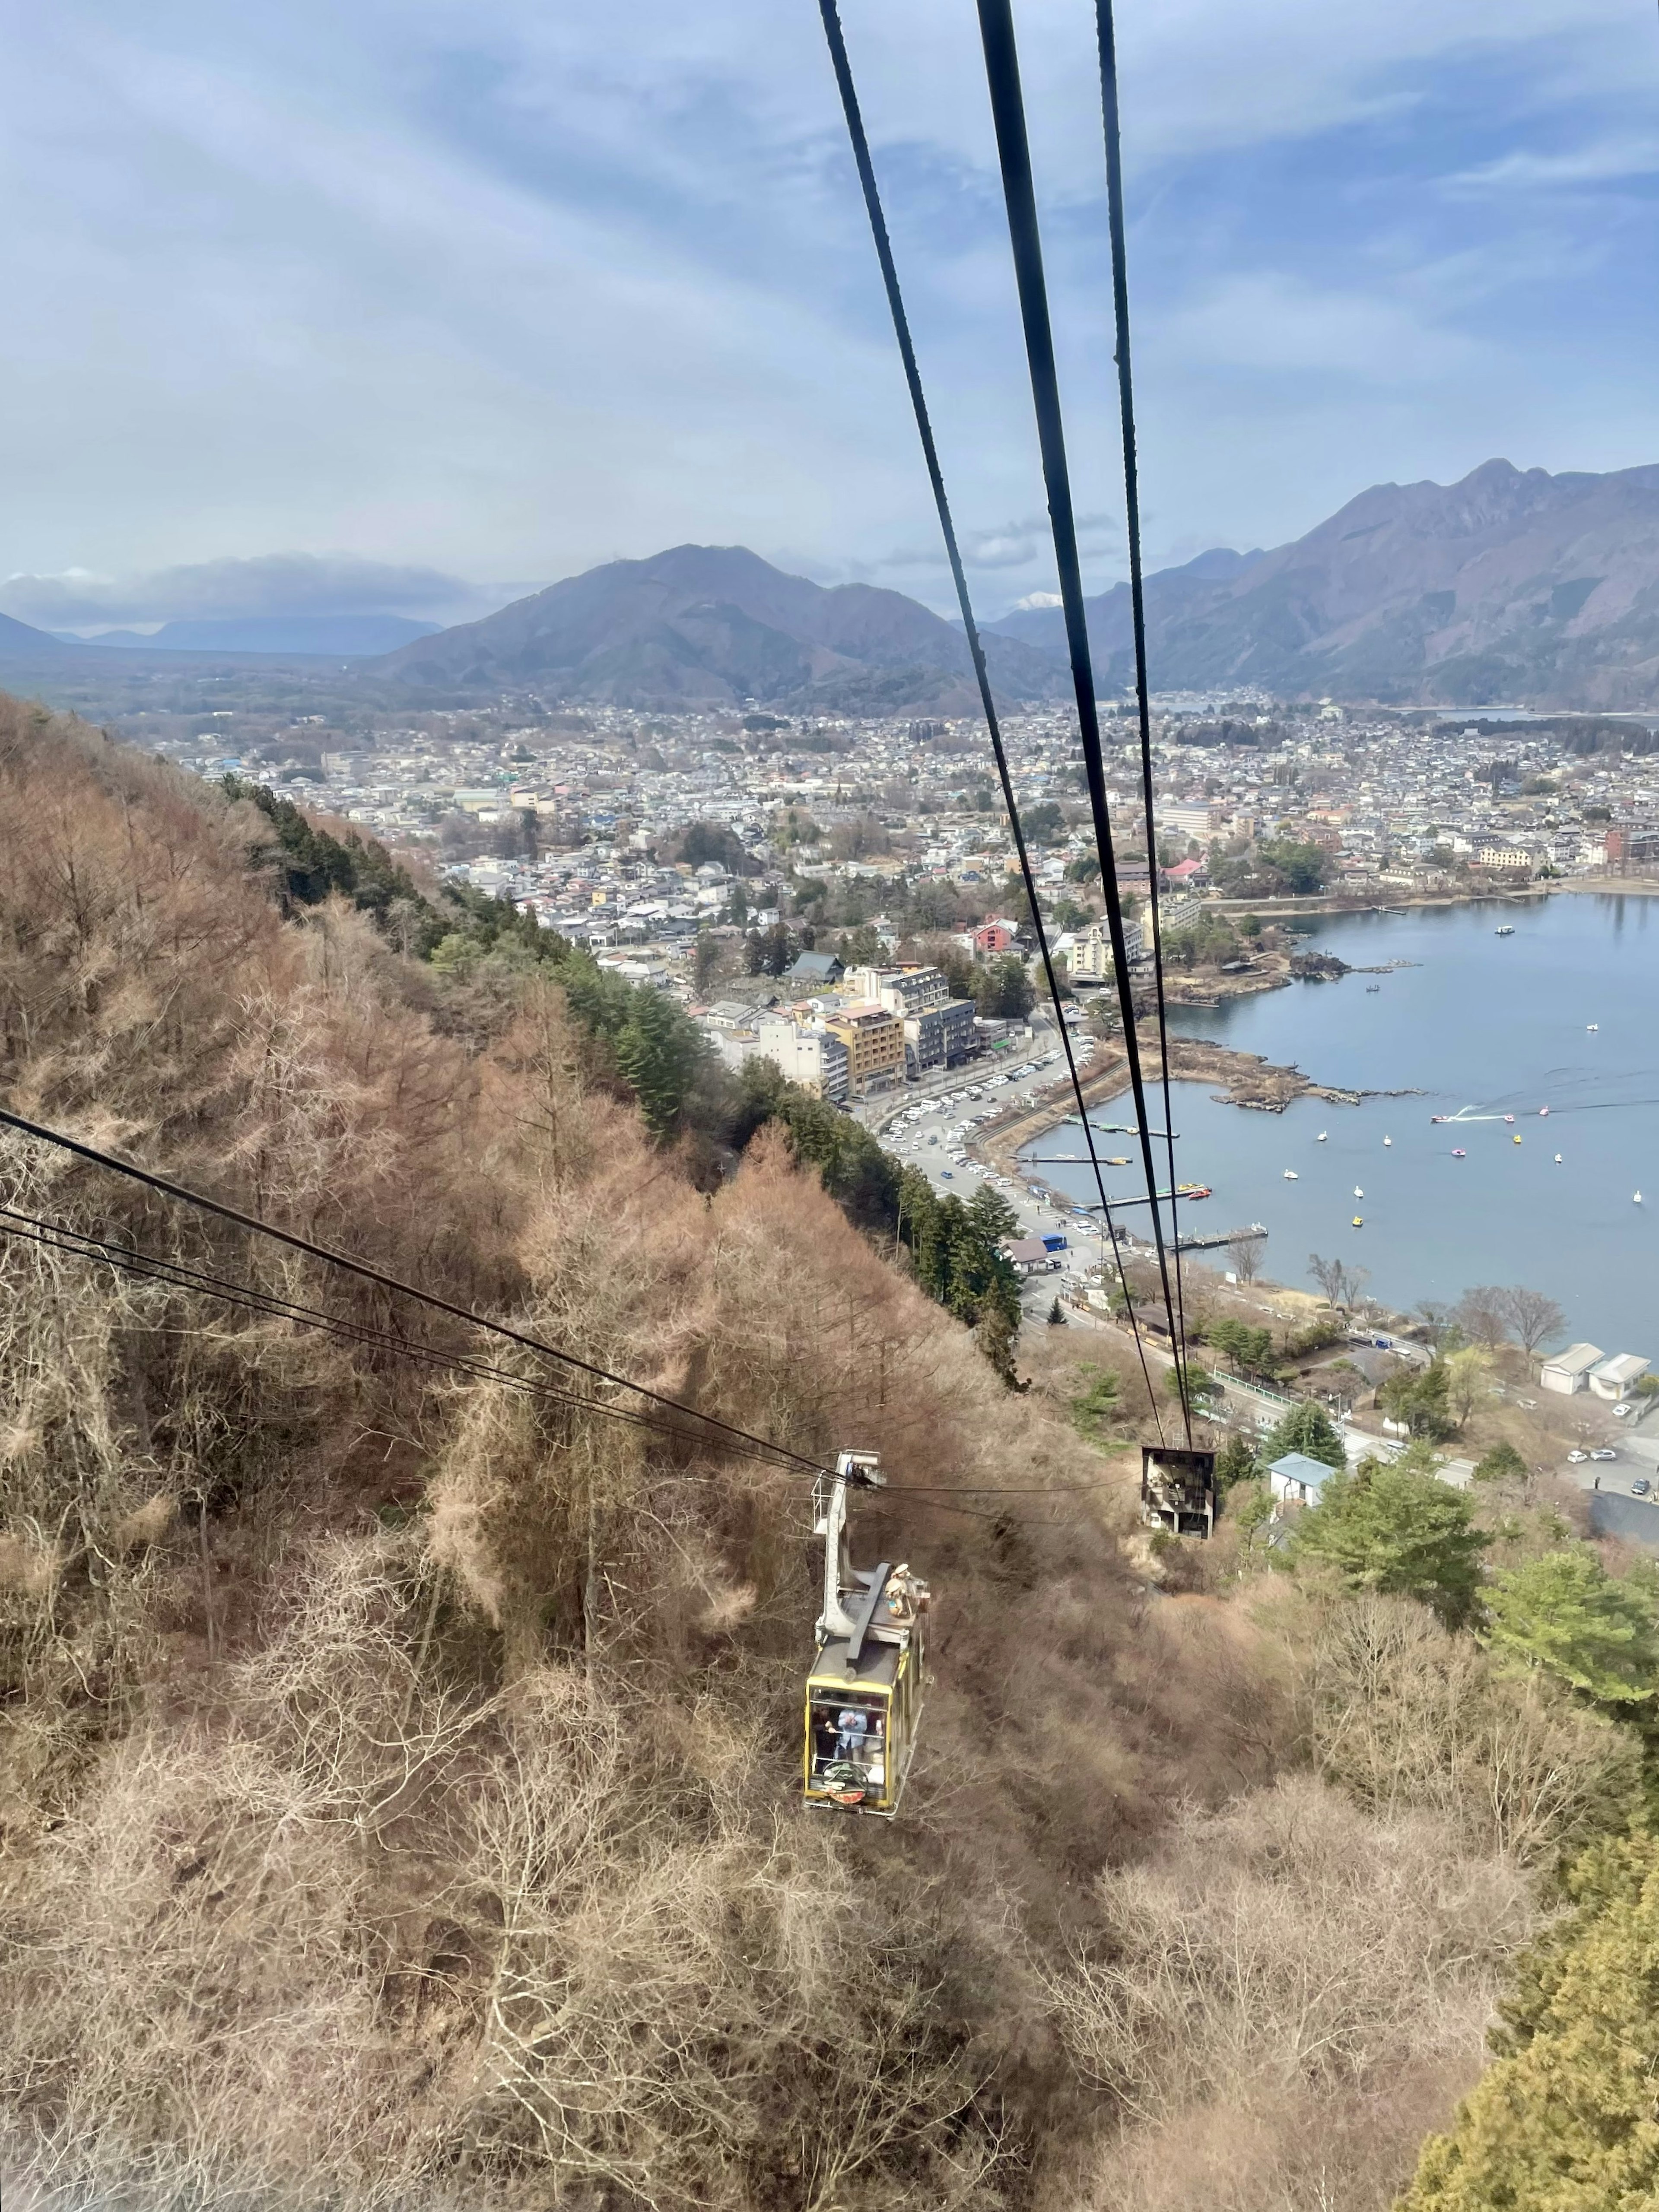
[(1125, 402), (1019, 195), (860, 144), (359, 1267)]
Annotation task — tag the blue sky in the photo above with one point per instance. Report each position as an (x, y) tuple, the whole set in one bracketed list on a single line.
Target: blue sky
[(422, 291)]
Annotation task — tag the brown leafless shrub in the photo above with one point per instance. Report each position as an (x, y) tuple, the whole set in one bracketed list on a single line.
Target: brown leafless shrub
[(1272, 1972), (352, 1947), (458, 1866), (1403, 1715)]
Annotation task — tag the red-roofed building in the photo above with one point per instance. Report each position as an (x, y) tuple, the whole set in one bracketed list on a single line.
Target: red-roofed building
[(1186, 874), (992, 937)]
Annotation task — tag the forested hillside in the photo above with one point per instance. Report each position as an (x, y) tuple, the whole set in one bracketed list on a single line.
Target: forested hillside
[(397, 1766)]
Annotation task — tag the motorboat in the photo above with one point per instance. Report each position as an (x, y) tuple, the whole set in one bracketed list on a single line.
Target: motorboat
[(1507, 930), (1543, 1112), (1371, 988), (1291, 1176), (1458, 1153), (1509, 1117), (1592, 1027)]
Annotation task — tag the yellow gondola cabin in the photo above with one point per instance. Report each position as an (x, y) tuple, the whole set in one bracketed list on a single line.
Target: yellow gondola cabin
[(864, 1687)]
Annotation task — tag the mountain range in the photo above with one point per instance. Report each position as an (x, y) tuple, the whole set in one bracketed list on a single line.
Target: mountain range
[(715, 625), (1511, 585)]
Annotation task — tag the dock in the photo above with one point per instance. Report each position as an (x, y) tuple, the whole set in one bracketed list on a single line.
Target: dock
[(1216, 1240), (1220, 1237)]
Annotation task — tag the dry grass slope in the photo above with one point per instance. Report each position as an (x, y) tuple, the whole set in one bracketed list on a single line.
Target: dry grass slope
[(396, 1774)]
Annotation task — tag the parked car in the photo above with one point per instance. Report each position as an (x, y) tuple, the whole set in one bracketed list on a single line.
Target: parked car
[(1640, 1487), (1606, 1452), (1575, 1458), (1623, 1412)]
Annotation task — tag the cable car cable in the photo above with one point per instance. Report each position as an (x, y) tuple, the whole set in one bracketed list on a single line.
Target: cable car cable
[(1020, 197), (852, 111), (150, 1268), (1107, 41), (126, 1259), (368, 1273)]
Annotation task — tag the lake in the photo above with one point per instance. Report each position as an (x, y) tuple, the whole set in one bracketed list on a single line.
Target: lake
[(1497, 1025)]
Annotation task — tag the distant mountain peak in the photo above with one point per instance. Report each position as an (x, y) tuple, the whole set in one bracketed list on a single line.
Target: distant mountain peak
[(1509, 584), (715, 625)]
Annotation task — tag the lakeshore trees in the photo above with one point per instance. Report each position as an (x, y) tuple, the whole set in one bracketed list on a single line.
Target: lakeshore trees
[(1340, 1284)]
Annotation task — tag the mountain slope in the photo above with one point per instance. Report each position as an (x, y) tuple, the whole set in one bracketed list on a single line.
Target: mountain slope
[(715, 625), (1510, 585), (16, 637)]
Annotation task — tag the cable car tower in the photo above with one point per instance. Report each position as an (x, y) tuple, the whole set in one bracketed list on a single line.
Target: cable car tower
[(865, 1686)]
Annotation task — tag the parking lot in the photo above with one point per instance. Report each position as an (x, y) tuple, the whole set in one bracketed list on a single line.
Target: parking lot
[(933, 1134), (1618, 1455)]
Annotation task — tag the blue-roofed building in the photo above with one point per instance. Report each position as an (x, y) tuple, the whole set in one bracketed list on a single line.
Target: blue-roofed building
[(1296, 1480)]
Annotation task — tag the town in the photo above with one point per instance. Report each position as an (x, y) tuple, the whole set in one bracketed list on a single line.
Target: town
[(760, 869)]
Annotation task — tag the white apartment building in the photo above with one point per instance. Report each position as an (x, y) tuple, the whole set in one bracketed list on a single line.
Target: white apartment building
[(1090, 958)]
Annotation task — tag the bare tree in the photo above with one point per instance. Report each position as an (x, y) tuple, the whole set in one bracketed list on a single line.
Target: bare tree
[(1245, 1254), (1482, 1315), (1340, 1284), (1532, 1317), (1437, 1319)]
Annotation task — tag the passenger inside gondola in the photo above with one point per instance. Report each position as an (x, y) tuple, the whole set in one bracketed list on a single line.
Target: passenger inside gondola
[(848, 1732)]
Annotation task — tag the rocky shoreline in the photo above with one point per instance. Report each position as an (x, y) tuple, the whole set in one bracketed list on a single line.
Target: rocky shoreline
[(1246, 1079)]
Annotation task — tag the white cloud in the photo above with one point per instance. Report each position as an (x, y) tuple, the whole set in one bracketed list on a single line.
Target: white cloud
[(275, 584), (1270, 321), (1607, 161), (485, 285)]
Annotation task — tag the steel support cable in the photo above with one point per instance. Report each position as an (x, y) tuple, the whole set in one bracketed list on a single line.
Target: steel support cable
[(1125, 403), (860, 145), (248, 1297), (123, 1259), (168, 1188), (1019, 195)]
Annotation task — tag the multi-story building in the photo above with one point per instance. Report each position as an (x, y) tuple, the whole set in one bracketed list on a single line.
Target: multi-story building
[(812, 1058), (1628, 842), (1091, 955), (1201, 821), (1175, 914), (1504, 856), (939, 1036), (817, 1060), (875, 1046), (902, 990)]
